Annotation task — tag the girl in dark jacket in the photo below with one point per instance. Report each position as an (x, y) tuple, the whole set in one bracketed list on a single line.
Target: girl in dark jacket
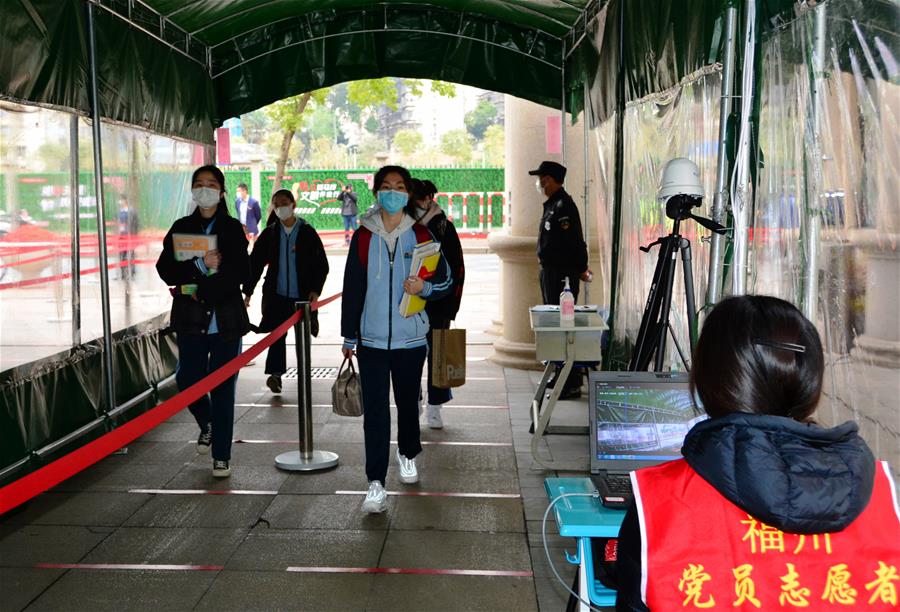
[(208, 315), (292, 250), (762, 463), (442, 311)]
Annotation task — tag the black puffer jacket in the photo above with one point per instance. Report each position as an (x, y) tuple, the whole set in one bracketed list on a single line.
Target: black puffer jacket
[(800, 478), (220, 292)]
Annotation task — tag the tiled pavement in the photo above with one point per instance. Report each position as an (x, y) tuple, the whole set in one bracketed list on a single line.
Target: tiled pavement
[(245, 544)]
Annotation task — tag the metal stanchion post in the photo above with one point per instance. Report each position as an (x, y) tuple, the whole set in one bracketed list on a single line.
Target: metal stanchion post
[(306, 459)]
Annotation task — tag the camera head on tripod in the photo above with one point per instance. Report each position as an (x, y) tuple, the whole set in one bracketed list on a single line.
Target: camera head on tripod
[(680, 206), (681, 189)]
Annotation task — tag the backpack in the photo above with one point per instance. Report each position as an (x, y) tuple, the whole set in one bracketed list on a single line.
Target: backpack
[(365, 238)]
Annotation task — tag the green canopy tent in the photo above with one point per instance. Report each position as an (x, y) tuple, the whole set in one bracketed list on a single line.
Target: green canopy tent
[(181, 67)]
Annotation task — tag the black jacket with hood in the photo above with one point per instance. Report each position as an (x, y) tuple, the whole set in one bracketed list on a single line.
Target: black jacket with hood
[(800, 478), (220, 292), (311, 266)]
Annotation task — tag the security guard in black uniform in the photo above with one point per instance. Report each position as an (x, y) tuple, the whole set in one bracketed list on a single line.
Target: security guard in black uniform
[(561, 248)]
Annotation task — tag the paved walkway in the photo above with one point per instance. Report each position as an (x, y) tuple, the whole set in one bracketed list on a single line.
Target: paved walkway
[(151, 529)]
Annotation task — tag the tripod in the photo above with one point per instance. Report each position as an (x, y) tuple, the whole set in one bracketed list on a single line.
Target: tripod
[(655, 326)]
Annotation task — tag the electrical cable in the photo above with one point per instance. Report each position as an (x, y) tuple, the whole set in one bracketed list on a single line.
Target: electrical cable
[(553, 502)]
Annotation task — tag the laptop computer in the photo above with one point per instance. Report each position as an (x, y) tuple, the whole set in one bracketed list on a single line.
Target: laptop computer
[(637, 419)]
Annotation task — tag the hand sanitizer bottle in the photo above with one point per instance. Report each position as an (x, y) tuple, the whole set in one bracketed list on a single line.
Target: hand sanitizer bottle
[(566, 307)]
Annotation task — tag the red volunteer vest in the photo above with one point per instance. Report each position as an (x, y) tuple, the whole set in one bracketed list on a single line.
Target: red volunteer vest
[(700, 551)]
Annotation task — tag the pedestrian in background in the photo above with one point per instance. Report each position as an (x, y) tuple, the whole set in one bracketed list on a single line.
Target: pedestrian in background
[(129, 226), (390, 348), (208, 314), (248, 211), (348, 199), (440, 312), (297, 268)]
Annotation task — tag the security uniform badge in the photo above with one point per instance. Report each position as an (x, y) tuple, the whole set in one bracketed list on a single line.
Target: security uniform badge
[(564, 223)]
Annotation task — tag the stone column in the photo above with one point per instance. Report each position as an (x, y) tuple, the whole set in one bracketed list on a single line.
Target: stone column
[(880, 343), (517, 245)]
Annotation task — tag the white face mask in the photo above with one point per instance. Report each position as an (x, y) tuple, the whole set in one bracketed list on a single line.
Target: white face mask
[(537, 185), (205, 197), (284, 212)]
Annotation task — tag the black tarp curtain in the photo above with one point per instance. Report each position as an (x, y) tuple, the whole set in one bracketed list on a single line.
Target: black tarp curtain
[(191, 85), (46, 400)]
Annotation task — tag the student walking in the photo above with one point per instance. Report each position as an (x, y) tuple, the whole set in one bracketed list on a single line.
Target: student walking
[(349, 209), (297, 268), (208, 315), (390, 348), (442, 311)]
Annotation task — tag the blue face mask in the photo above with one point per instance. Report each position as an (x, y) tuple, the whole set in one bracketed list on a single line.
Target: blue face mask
[(392, 201)]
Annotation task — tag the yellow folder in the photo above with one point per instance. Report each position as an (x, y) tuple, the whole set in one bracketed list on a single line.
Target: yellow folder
[(425, 259)]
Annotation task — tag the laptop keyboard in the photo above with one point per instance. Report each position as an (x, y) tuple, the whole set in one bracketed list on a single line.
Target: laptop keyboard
[(615, 489), (619, 484)]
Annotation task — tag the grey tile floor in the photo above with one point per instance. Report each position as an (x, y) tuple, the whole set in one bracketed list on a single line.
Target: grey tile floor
[(242, 546)]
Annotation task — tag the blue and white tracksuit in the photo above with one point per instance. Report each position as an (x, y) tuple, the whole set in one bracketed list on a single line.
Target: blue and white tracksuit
[(390, 347)]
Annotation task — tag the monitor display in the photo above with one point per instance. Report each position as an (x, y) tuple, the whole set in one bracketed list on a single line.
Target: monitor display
[(644, 421)]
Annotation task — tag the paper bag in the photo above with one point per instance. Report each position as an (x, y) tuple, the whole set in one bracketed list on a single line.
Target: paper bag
[(448, 365), (346, 399)]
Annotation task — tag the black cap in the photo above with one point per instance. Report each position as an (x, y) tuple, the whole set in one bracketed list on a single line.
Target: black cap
[(549, 168)]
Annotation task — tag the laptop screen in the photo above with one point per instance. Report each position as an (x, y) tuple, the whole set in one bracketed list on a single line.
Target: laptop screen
[(639, 418)]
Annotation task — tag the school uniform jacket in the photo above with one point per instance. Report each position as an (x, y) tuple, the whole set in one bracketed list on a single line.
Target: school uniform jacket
[(311, 266), (373, 285)]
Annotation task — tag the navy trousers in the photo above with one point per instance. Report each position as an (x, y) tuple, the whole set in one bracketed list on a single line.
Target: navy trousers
[(198, 355), (377, 370)]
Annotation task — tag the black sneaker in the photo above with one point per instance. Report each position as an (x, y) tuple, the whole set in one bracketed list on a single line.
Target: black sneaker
[(204, 441), (568, 394), (221, 469), (274, 383)]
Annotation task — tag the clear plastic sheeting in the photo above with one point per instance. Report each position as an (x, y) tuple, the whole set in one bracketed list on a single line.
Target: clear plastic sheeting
[(147, 186), (36, 230), (601, 149), (827, 221), (42, 310), (680, 123), (51, 328)]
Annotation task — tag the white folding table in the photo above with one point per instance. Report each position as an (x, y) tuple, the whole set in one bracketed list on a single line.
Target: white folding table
[(556, 344)]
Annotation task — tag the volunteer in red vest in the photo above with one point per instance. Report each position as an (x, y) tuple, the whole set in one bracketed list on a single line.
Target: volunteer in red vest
[(767, 510), (390, 348)]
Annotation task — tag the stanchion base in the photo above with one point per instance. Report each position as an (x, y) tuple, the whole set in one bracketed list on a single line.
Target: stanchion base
[(294, 462)]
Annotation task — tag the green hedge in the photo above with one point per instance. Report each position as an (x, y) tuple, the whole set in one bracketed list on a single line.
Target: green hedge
[(316, 190), (164, 195)]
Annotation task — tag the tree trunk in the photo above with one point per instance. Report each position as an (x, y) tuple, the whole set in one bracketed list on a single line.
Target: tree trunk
[(286, 142), (282, 158)]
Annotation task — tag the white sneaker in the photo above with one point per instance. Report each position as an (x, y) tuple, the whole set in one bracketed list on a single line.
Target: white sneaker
[(376, 499), (408, 472), (434, 417)]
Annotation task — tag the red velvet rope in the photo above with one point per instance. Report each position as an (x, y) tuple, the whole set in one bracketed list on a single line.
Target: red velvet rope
[(50, 475)]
